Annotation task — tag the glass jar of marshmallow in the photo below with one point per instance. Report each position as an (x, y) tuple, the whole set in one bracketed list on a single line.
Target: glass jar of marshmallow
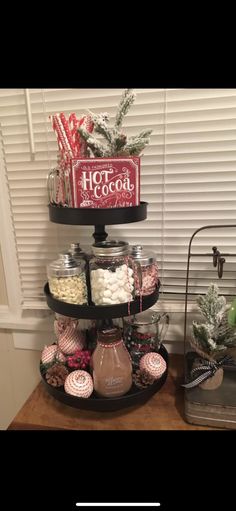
[(67, 279), (111, 273)]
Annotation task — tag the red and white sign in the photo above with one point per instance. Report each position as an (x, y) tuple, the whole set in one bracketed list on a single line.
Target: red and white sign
[(105, 182)]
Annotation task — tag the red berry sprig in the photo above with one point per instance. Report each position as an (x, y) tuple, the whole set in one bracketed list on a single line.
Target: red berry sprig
[(79, 360)]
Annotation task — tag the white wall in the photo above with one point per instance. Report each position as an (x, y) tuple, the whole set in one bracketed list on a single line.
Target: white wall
[(19, 369)]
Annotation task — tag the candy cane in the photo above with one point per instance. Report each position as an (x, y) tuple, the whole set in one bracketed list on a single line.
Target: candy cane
[(73, 121), (87, 123), (68, 133), (62, 137)]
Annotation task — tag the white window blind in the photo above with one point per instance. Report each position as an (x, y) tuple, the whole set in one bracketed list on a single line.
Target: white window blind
[(188, 177)]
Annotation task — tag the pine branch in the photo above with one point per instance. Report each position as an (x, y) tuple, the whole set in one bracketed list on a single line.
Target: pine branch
[(126, 101), (211, 305), (119, 141), (143, 134), (134, 147), (99, 150), (101, 126), (216, 335)]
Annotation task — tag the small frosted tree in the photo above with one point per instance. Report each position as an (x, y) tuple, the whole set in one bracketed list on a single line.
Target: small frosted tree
[(213, 337), (115, 141)]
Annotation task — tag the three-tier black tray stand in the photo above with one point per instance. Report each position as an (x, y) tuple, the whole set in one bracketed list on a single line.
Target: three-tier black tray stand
[(99, 218)]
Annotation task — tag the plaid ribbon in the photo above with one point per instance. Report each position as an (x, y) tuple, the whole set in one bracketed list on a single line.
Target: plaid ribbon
[(208, 370)]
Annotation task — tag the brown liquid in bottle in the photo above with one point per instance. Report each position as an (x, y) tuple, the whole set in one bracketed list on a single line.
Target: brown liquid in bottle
[(112, 368)]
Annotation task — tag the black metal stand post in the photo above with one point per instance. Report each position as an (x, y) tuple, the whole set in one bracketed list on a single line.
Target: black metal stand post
[(100, 234)]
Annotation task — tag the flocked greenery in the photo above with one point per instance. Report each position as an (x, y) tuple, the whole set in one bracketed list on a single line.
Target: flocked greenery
[(215, 335), (116, 143)]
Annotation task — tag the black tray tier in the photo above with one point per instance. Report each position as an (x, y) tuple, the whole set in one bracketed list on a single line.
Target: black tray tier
[(100, 311), (97, 216), (134, 397)]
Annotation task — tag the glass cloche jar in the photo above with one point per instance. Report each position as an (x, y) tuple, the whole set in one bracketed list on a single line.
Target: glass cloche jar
[(67, 279)]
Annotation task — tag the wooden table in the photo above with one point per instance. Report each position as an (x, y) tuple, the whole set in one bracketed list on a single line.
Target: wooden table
[(164, 411)]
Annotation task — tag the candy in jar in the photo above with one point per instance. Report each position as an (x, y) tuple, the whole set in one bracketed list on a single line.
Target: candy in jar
[(67, 280), (111, 364), (145, 271), (111, 273)]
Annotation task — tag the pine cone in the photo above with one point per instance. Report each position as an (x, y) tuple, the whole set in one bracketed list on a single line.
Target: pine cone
[(56, 375), (142, 379)]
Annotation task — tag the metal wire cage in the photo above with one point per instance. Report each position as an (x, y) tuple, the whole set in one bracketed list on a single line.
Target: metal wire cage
[(204, 404)]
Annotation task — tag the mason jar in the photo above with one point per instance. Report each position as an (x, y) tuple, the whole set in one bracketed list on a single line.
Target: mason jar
[(111, 273), (67, 279), (145, 270)]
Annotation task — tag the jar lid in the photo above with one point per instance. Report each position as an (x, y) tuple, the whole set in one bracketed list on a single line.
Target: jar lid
[(111, 247), (138, 253), (64, 266), (75, 250), (109, 335)]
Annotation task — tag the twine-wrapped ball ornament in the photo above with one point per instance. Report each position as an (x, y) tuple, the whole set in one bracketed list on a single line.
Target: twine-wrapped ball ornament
[(153, 364), (49, 354), (79, 383)]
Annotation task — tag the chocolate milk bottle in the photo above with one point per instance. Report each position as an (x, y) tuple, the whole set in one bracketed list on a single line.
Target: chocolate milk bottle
[(111, 363)]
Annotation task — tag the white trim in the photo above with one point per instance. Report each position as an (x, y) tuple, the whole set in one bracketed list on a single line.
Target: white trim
[(117, 504), (7, 239), (37, 320), (33, 340)]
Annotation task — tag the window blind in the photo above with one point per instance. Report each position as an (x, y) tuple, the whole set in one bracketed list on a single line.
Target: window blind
[(200, 186), (188, 177)]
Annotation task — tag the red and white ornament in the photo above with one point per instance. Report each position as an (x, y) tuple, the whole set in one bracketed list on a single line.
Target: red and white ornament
[(49, 354), (152, 364), (79, 383), (71, 340)]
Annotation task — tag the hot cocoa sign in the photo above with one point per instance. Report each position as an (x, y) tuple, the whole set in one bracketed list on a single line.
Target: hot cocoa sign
[(105, 182)]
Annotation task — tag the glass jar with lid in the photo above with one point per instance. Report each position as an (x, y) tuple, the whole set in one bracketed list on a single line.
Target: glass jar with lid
[(111, 364), (67, 279), (76, 251), (145, 270), (58, 184), (111, 273)]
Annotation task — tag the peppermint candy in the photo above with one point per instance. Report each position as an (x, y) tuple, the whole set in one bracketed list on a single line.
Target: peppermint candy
[(79, 383)]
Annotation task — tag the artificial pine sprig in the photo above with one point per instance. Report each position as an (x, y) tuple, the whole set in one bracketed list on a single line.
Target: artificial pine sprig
[(126, 101), (215, 335), (116, 141), (97, 147)]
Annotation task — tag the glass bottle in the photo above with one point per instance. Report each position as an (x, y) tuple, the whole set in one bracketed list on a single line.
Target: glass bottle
[(111, 364), (145, 270), (67, 279), (111, 273)]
